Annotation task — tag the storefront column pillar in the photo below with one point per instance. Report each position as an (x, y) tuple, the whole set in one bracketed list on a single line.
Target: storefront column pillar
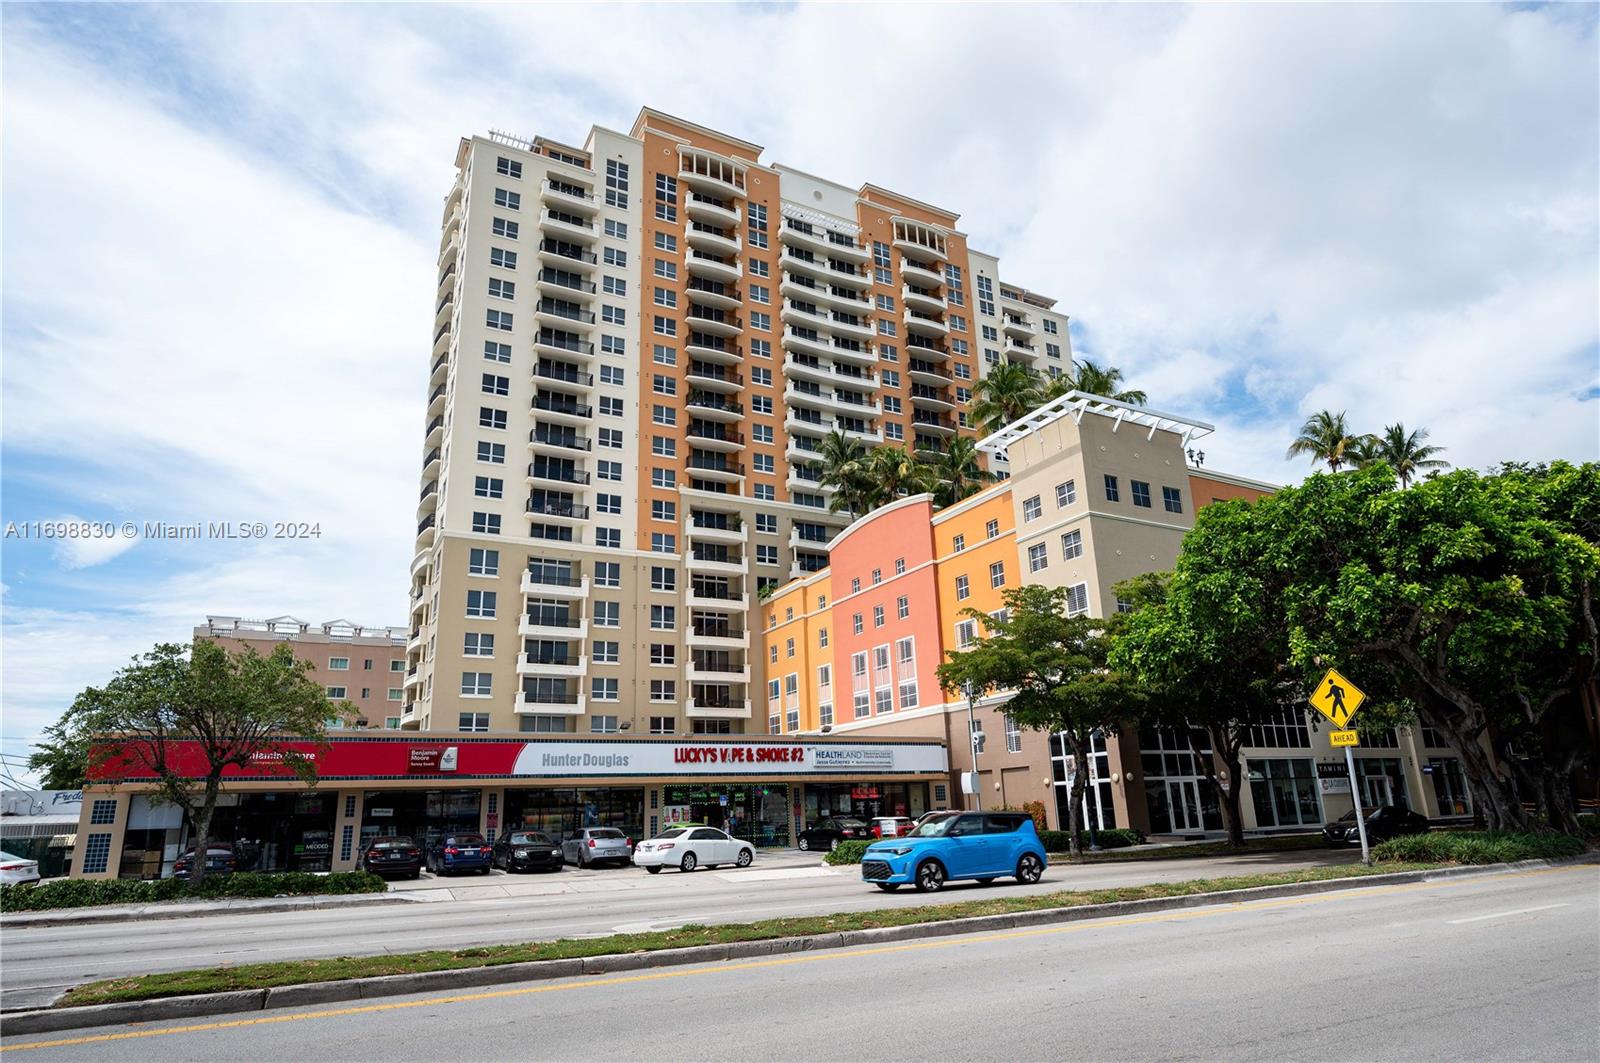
[(490, 811), (97, 853), (347, 829)]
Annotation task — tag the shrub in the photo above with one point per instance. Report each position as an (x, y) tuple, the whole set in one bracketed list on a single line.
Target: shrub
[(1035, 809), (1059, 841), (1477, 847), (84, 892), (1590, 822), (848, 852)]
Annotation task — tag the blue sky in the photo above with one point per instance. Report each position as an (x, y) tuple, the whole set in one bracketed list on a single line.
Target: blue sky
[(220, 226)]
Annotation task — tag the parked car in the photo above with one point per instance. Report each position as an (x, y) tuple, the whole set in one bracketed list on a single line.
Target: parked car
[(692, 847), (828, 833), (391, 854), (920, 820), (17, 871), (455, 853), (890, 826), (958, 845), (594, 845), (1383, 823), (220, 860), (527, 850)]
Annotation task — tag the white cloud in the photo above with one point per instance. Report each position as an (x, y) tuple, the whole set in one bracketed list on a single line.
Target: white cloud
[(88, 551)]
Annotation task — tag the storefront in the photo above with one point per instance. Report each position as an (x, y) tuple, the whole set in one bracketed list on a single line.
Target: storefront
[(760, 788)]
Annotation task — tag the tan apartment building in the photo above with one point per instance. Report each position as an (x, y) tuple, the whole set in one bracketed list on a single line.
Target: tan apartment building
[(362, 665), (639, 346)]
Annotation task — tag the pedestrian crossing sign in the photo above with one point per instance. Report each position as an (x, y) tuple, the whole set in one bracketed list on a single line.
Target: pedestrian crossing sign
[(1336, 698)]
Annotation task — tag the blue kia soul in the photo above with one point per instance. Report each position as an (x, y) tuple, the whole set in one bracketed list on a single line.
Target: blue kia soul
[(957, 845)]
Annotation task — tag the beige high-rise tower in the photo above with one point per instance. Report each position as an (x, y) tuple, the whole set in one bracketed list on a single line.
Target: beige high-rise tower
[(640, 348)]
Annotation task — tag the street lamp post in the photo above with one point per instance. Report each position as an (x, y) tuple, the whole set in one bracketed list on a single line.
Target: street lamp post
[(972, 740)]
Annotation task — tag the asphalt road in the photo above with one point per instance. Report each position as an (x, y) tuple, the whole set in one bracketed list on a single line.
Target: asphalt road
[(1503, 966), (570, 903)]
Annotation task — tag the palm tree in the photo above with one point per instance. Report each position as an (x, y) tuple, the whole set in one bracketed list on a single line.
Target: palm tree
[(1058, 384), (1406, 452), (1363, 451), (1103, 381), (1008, 393), (956, 472), (844, 468), (891, 472), (1325, 437)]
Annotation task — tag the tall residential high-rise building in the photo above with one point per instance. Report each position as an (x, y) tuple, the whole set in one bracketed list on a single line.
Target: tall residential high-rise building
[(640, 348)]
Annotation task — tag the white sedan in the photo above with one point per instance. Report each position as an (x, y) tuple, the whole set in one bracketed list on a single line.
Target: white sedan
[(15, 871), (687, 848)]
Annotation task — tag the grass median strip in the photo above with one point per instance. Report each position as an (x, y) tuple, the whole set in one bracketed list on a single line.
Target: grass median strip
[(296, 972)]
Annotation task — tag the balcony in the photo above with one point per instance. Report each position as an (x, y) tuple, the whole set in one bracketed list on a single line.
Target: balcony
[(713, 349), (547, 473), (566, 196), (549, 583), (799, 540), (711, 210), (807, 341), (561, 314), (928, 373), (806, 288), (436, 400), (854, 353), (702, 528), (425, 531), (708, 669), (920, 276), (562, 374), (926, 324), (562, 344), (700, 596), (714, 294), (430, 462), (714, 636), (710, 238), (717, 560), (714, 437), (710, 177), (561, 410), (726, 710), (558, 254), (795, 421), (562, 284), (552, 626), (1018, 351), (845, 324), (546, 664), (703, 466), (931, 398), (434, 432), (546, 704), (925, 299), (715, 378), (714, 407), (928, 422), (803, 477), (568, 226), (824, 269), (869, 436), (808, 367), (1019, 327), (556, 508), (708, 266), (437, 374), (714, 322), (917, 347), (542, 441)]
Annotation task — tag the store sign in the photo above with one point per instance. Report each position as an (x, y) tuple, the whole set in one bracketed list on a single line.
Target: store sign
[(431, 760), (723, 758)]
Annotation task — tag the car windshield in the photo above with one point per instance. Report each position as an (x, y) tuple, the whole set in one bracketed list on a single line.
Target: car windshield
[(606, 832), (849, 824), (530, 839), (673, 833), (465, 839), (394, 843), (933, 828)]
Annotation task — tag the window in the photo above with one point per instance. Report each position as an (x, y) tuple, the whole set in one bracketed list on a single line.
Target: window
[(761, 404), (507, 199), (766, 555), (613, 257), (666, 242), (1077, 599), (505, 227), (489, 417), (991, 529), (497, 319), (1112, 494), (496, 385), (899, 566), (1036, 557), (877, 616), (663, 617), (1013, 736), (661, 509), (963, 588), (1172, 499), (1066, 493), (483, 562), (608, 470), (608, 538), (1032, 508), (502, 289), (397, 666), (507, 167), (608, 503), (486, 523), (476, 684), (611, 406), (497, 352), (499, 256), (604, 688), (611, 438), (822, 638), (663, 578), (1071, 545), (616, 184), (493, 453), (608, 573), (663, 653), (856, 625), (477, 644), (607, 614), (1141, 493), (396, 694), (663, 542), (958, 544), (664, 690), (997, 574), (477, 722), (338, 664), (761, 320), (613, 315), (663, 725), (616, 230), (488, 487), (607, 652), (481, 603)]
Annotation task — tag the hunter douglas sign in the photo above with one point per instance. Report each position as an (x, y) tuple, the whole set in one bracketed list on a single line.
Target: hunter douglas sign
[(363, 757)]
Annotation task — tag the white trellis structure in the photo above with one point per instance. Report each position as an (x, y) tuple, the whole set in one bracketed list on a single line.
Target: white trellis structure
[(1075, 404)]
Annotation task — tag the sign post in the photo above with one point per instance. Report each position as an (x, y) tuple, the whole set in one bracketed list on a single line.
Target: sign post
[(1338, 699)]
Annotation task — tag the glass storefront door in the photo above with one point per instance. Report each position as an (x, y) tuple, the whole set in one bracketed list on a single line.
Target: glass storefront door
[(276, 832), (864, 800), (561, 813), (756, 812), (1450, 786), (421, 815), (1284, 792), (1383, 782)]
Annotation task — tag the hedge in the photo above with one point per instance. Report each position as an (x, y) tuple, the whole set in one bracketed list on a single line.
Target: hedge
[(848, 852), (1060, 841), (1477, 847), (84, 892)]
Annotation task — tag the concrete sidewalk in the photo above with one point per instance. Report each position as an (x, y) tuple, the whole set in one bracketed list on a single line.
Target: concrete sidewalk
[(122, 913)]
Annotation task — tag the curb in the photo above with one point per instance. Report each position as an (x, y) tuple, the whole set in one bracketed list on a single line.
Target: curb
[(314, 993), (26, 920)]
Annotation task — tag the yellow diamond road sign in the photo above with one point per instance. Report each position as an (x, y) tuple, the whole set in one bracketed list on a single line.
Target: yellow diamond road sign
[(1336, 698), (1337, 739)]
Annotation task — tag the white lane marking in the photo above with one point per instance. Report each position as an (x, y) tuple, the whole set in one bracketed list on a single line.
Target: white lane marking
[(1502, 915)]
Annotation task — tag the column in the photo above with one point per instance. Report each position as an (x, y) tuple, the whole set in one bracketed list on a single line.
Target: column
[(348, 809)]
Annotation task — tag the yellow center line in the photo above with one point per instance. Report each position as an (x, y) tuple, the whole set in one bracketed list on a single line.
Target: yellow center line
[(1222, 908)]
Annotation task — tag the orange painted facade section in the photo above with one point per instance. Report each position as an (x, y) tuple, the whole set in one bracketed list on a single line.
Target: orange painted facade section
[(1206, 490)]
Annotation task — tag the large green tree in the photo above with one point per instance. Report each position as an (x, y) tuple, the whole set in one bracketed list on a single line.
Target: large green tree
[(956, 473), (1008, 392), (892, 471), (230, 706), (1055, 665), (844, 469)]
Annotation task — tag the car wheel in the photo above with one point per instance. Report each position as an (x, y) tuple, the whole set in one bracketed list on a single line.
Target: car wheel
[(805, 844), (486, 871), (930, 876), (654, 869), (415, 874), (745, 856), (888, 887), (688, 862), (1029, 870)]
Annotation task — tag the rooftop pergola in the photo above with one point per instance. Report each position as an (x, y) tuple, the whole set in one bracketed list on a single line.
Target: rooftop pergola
[(1075, 404)]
